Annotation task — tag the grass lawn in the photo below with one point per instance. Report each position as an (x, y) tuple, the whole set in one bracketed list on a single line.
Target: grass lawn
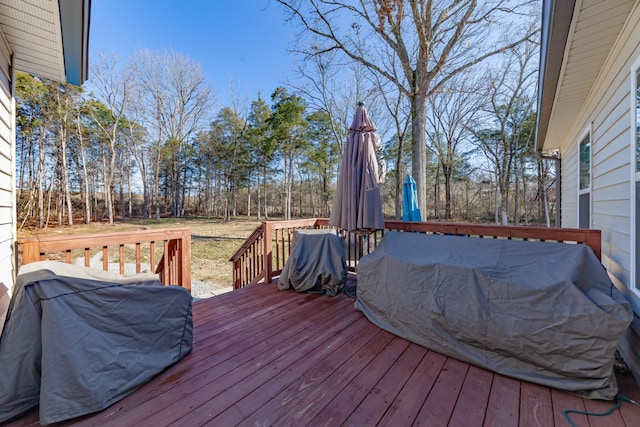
[(213, 240)]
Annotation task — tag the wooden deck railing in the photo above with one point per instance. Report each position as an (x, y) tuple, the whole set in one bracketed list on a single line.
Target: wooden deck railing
[(173, 268), (265, 252)]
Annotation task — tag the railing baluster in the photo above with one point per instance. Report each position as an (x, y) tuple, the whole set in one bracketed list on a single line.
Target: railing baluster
[(257, 261), (166, 262), (105, 258), (175, 264), (121, 259), (138, 268), (152, 253)]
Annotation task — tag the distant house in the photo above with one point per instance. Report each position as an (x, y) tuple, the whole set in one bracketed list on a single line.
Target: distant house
[(46, 38), (589, 119)]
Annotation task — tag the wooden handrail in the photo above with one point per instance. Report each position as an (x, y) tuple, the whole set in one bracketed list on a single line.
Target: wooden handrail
[(174, 266), (274, 239)]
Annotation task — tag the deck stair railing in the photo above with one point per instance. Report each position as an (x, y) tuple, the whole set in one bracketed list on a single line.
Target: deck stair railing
[(264, 253), (174, 245)]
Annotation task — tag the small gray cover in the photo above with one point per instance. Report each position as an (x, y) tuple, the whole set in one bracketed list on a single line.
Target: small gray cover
[(76, 340), (537, 311), (317, 262)]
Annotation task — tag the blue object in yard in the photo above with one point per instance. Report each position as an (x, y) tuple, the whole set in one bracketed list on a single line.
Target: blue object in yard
[(410, 210)]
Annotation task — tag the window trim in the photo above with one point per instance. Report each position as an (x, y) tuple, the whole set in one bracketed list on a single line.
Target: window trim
[(581, 191), (634, 177)]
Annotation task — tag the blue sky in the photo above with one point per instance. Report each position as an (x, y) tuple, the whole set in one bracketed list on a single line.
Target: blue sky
[(243, 42)]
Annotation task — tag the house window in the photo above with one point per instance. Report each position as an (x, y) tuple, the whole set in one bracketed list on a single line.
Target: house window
[(585, 163), (636, 181), (584, 195), (637, 126)]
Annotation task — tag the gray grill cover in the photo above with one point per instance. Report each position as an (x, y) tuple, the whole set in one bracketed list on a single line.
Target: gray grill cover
[(541, 312), (77, 340), (317, 262)]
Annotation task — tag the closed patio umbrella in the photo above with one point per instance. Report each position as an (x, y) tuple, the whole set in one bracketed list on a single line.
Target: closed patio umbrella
[(410, 210), (357, 204)]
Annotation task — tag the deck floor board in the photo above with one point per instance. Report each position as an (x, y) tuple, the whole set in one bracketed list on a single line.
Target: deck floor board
[(266, 357), (471, 406)]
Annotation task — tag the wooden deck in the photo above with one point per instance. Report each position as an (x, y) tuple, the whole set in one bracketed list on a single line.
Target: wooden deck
[(267, 357)]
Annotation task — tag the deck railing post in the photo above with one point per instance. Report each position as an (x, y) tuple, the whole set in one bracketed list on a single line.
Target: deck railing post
[(185, 261), (268, 252), (30, 251)]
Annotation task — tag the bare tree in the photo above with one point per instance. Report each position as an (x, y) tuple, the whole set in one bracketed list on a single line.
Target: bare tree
[(81, 153), (398, 108), (335, 87), (510, 107), (451, 109), (177, 97), (140, 147), (433, 41), (113, 88)]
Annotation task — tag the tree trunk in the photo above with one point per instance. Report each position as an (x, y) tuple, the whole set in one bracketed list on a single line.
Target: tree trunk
[(65, 178), (108, 185), (85, 179), (419, 147), (249, 196), (446, 172), (264, 186), (40, 185), (398, 181), (258, 194), (516, 201)]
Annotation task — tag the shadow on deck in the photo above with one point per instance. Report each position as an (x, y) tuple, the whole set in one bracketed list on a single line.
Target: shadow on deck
[(266, 357)]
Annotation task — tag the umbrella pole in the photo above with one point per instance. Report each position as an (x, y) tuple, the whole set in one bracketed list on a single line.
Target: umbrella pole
[(360, 234)]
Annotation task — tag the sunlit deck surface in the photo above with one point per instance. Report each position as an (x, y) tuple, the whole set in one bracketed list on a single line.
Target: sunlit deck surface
[(266, 357)]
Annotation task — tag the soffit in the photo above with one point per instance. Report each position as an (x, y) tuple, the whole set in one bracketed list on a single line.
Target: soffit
[(595, 27), (33, 32)]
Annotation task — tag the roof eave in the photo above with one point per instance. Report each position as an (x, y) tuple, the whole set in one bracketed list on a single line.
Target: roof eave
[(556, 22), (75, 16)]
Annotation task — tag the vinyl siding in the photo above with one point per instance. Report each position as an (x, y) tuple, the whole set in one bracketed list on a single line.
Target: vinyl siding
[(7, 166), (569, 182), (608, 113)]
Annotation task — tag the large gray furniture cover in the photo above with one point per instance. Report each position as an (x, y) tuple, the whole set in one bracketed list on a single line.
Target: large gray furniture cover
[(538, 311), (76, 340), (317, 262)]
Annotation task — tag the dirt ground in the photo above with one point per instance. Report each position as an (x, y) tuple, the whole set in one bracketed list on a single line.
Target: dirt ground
[(213, 241)]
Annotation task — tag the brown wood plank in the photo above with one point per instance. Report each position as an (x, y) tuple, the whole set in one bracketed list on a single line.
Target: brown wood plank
[(31, 418), (378, 400), (504, 402), (220, 306), (313, 391), (195, 371), (600, 406), (248, 373), (254, 400), (228, 342), (471, 406), (233, 314), (535, 405), (562, 401), (407, 404), (438, 407), (352, 395)]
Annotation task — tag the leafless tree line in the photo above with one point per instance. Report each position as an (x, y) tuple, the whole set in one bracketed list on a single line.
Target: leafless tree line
[(146, 140)]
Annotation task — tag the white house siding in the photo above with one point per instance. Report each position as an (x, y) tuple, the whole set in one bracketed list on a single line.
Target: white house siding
[(607, 112), (569, 180), (7, 166)]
